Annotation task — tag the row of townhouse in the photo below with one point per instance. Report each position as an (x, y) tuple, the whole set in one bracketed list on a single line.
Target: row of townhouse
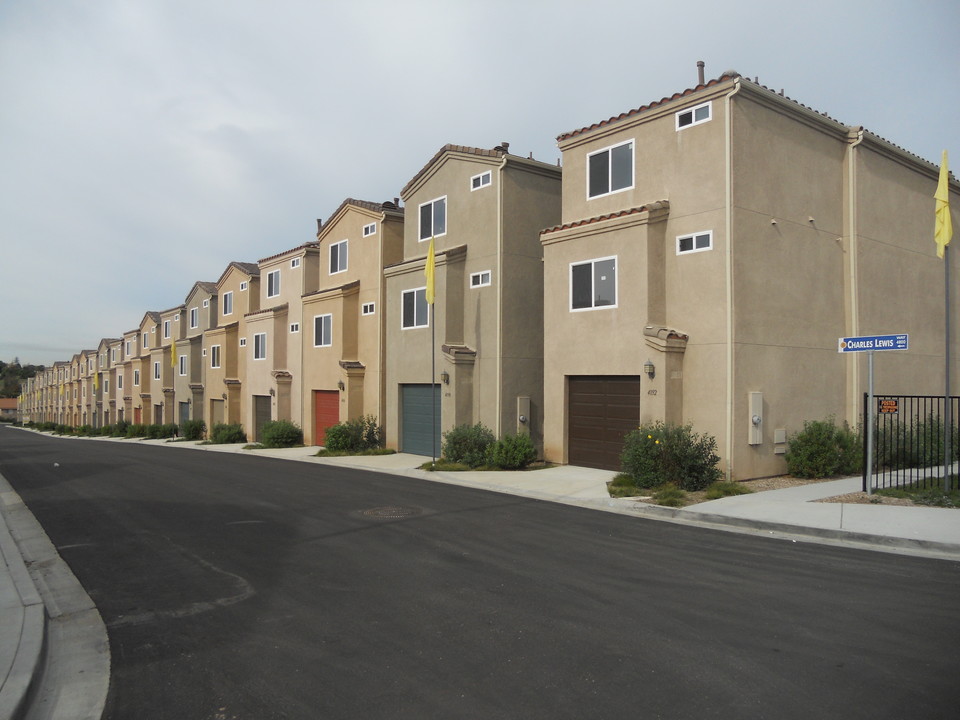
[(696, 261)]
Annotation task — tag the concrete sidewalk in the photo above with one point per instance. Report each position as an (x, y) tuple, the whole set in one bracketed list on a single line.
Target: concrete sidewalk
[(791, 513)]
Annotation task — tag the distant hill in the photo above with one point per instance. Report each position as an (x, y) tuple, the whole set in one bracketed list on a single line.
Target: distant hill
[(12, 373)]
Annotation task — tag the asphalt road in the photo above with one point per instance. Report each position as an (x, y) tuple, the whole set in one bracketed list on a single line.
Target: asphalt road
[(244, 587)]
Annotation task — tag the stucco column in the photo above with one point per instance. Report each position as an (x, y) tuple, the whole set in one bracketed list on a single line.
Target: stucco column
[(663, 395)]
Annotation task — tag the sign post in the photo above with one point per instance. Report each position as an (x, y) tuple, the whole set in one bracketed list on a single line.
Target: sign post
[(870, 344)]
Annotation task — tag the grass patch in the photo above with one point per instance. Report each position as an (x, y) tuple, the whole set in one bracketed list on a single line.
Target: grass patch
[(669, 496), (348, 453), (932, 496), (446, 466), (253, 446), (722, 489), (623, 485)]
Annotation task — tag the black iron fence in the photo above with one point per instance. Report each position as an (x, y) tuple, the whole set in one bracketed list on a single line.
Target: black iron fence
[(909, 440)]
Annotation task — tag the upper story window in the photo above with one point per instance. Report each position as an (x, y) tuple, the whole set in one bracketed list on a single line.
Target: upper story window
[(323, 331), (294, 327), (698, 242), (273, 283), (369, 309), (338, 257), (126, 348), (693, 116), (113, 355), (610, 170), (156, 370), (146, 340), (433, 218), (481, 180), (228, 303), (243, 286), (260, 346), (480, 279), (136, 378), (183, 365), (370, 229), (119, 381), (194, 317), (166, 329), (214, 356), (593, 284), (295, 262), (206, 303), (414, 304)]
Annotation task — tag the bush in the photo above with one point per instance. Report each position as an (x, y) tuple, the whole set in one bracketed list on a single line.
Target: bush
[(281, 434), (822, 449), (223, 434), (136, 431), (357, 435), (659, 454), (120, 429), (514, 452), (193, 429), (468, 444)]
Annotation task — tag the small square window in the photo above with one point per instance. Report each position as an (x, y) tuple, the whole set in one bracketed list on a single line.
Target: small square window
[(294, 327), (338, 257), (697, 242), (693, 116), (433, 218), (243, 286), (481, 180), (295, 263), (369, 309), (480, 279), (243, 342), (369, 230), (206, 303)]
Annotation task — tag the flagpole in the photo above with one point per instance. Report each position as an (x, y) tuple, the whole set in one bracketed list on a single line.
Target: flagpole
[(433, 379), (947, 420)]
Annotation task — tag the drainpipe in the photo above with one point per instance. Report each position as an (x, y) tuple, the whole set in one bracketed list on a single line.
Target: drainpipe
[(728, 269), (852, 249)]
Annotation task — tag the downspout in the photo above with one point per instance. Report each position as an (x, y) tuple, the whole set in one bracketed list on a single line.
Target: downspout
[(852, 252), (501, 285), (728, 262)]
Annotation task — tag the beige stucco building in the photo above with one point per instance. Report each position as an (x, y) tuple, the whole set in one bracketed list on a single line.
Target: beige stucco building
[(724, 239), (484, 210)]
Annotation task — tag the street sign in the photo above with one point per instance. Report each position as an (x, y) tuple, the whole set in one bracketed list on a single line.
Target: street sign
[(868, 343)]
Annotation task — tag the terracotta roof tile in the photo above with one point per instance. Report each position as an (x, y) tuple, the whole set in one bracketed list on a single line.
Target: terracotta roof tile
[(495, 153), (661, 204)]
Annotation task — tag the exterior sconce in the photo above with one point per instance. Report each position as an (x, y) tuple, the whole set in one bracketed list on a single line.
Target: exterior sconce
[(272, 392), (224, 396), (445, 377), (341, 385), (649, 369)]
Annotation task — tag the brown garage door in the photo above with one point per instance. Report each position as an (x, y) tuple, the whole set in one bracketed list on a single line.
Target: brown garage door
[(602, 409), (326, 407)]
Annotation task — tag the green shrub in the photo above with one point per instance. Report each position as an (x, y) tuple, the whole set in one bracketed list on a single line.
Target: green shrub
[(823, 449), (912, 443), (468, 444), (660, 454), (281, 434), (670, 495), (223, 433), (193, 429), (136, 431), (514, 452), (357, 435), (722, 489), (84, 430), (120, 429)]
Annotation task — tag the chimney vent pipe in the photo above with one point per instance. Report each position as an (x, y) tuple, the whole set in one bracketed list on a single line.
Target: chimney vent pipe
[(700, 66)]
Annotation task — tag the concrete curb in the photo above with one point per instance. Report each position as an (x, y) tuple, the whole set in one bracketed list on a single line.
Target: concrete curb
[(16, 687)]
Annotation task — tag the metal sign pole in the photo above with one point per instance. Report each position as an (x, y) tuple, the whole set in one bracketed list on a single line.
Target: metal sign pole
[(871, 414), (947, 420)]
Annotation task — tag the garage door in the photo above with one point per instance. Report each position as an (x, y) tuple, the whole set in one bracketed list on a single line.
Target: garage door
[(326, 412), (601, 410), (261, 415), (417, 419)]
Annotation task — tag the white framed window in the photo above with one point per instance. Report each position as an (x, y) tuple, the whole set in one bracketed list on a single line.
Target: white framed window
[(203, 352), (322, 330), (694, 116), (370, 229), (593, 284), (183, 366), (113, 355), (696, 242), (156, 370), (368, 309), (119, 381), (295, 262), (273, 283), (214, 356), (146, 341), (433, 218), (480, 279), (106, 385), (194, 318), (481, 180), (243, 286), (243, 342), (206, 303), (294, 327), (126, 348), (176, 318), (260, 346), (414, 309), (338, 257), (166, 329), (228, 303), (610, 170)]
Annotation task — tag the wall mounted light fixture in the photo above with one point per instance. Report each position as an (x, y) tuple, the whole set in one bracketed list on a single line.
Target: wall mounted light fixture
[(649, 369), (445, 377), (341, 385)]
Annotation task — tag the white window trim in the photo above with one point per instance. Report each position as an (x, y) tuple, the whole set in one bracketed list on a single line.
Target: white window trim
[(414, 327), (369, 309), (243, 342), (479, 276), (119, 381), (370, 229), (182, 365), (227, 297), (591, 262), (260, 339), (345, 256), (243, 286), (329, 340), (446, 218), (276, 288), (156, 369), (194, 318), (166, 329), (295, 327), (295, 262), (214, 356), (695, 249), (488, 176), (633, 169), (693, 112), (206, 303)]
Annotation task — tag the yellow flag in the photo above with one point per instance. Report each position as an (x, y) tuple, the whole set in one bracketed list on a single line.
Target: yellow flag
[(943, 228), (430, 271), (96, 381), (173, 354)]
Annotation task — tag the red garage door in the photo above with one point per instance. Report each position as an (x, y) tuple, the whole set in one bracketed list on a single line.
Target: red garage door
[(601, 410), (326, 412)]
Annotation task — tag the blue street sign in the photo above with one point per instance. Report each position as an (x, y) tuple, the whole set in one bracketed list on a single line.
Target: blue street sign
[(874, 342)]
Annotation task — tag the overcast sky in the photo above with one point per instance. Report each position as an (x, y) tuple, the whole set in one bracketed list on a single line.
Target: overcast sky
[(145, 144)]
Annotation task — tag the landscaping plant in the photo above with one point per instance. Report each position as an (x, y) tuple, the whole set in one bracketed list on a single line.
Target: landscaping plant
[(281, 434), (660, 453), (468, 444), (824, 449)]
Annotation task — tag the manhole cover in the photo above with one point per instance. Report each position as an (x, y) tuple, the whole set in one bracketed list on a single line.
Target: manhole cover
[(392, 512)]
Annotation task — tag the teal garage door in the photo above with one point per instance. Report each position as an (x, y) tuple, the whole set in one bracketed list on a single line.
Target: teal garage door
[(416, 419)]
